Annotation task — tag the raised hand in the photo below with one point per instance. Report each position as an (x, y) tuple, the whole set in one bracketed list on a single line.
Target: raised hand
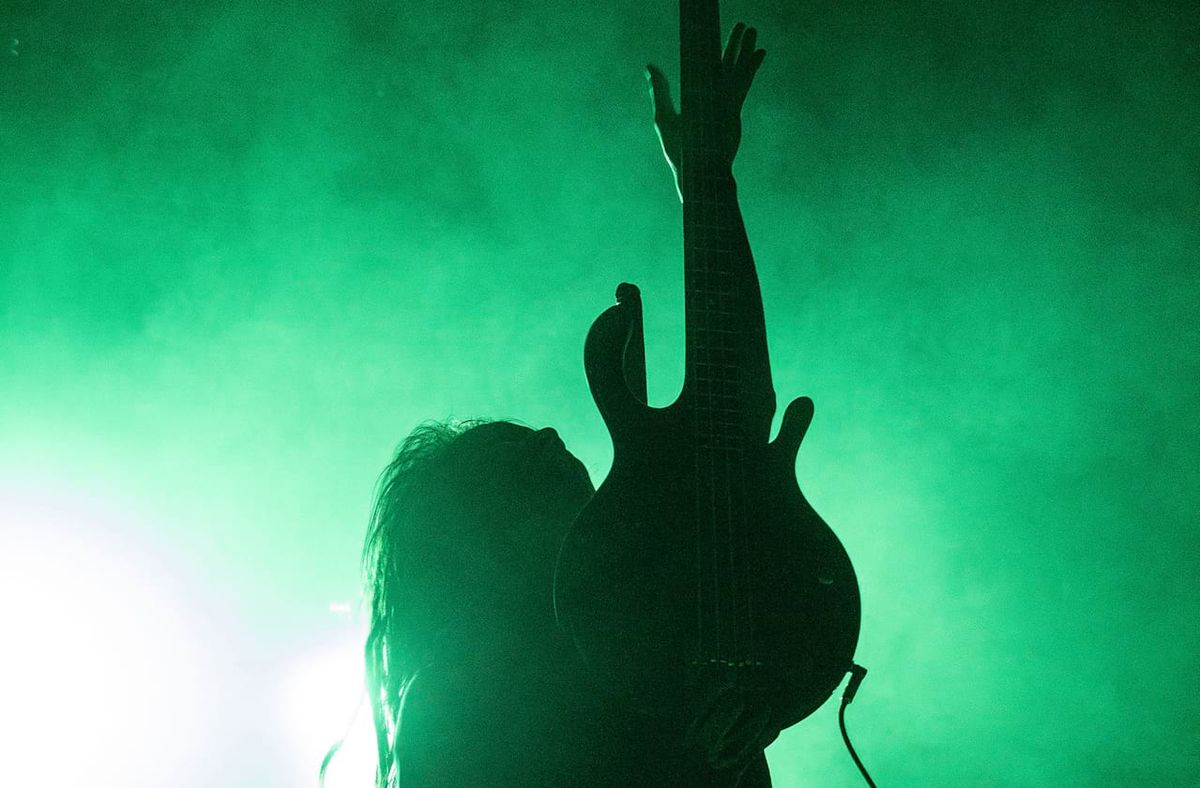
[(739, 63)]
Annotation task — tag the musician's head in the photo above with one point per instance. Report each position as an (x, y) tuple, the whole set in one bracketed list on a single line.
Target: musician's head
[(463, 540)]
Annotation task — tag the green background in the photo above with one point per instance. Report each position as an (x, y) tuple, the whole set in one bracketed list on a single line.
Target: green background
[(246, 246)]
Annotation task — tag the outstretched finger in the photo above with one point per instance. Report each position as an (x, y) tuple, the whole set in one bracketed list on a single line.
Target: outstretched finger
[(734, 45), (749, 39), (746, 73), (660, 92), (756, 61)]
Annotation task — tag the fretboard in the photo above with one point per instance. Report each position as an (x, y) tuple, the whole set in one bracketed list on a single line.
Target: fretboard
[(726, 342), (728, 379)]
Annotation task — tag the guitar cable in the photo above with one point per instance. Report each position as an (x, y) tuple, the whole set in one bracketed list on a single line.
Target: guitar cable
[(857, 674)]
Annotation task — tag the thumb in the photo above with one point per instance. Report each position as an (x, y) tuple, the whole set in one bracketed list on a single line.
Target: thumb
[(660, 92)]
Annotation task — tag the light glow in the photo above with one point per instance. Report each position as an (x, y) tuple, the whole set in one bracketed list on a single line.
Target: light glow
[(323, 701), (100, 667)]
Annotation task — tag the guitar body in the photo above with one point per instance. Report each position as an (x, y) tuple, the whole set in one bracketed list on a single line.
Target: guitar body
[(698, 583), (679, 581)]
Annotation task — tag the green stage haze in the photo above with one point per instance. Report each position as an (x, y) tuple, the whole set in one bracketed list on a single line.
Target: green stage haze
[(245, 247)]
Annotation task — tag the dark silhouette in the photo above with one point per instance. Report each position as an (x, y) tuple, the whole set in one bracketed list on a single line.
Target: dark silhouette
[(524, 629), (464, 661), (470, 681), (698, 583)]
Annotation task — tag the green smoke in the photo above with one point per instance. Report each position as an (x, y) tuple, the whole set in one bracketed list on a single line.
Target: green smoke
[(244, 248)]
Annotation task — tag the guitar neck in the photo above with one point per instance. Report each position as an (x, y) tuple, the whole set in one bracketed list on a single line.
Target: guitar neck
[(699, 50), (728, 370)]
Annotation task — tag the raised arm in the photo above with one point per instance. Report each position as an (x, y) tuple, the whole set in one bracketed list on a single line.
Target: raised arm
[(725, 246), (715, 237)]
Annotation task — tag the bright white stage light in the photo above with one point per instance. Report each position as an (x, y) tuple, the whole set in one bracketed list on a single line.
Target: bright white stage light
[(321, 693), (99, 672)]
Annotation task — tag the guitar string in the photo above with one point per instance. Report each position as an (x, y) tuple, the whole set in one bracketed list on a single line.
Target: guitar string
[(722, 438), (718, 424), (712, 352), (703, 385), (724, 433), (686, 67)]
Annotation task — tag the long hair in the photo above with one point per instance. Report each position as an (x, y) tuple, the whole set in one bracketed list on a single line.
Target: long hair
[(408, 527)]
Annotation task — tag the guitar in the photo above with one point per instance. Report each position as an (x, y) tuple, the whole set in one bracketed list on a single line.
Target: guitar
[(699, 571)]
